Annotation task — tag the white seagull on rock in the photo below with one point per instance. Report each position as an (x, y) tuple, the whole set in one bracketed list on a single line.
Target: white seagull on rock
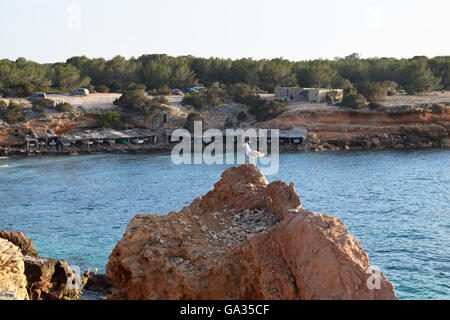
[(253, 154)]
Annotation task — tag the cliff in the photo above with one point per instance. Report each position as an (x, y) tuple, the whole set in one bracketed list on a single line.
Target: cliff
[(246, 239), (399, 127)]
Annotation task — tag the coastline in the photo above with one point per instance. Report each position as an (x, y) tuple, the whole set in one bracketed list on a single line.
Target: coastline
[(17, 154)]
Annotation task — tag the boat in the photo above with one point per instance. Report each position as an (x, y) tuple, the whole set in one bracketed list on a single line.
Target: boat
[(137, 141)]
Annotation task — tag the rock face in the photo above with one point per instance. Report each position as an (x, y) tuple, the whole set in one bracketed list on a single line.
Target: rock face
[(20, 240), (246, 239), (46, 279), (13, 283), (399, 127)]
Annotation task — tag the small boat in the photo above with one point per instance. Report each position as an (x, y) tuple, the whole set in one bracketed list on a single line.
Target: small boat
[(137, 141), (52, 143)]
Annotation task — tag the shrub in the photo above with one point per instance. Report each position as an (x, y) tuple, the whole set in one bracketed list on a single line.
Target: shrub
[(101, 88), (25, 89), (240, 91), (194, 99), (160, 100), (373, 91), (229, 123), (265, 110), (374, 106), (138, 101), (3, 105), (111, 119), (43, 103), (132, 86), (354, 101), (135, 99), (163, 91), (64, 107), (38, 108), (13, 113), (191, 118), (242, 116)]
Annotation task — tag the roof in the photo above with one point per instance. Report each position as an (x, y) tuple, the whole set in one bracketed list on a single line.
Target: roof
[(139, 133), (42, 133), (295, 132)]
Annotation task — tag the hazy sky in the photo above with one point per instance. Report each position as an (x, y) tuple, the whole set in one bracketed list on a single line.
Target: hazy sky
[(54, 30)]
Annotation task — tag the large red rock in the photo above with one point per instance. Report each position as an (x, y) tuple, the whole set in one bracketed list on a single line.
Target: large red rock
[(246, 239)]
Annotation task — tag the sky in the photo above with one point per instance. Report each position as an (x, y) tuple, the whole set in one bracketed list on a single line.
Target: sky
[(54, 30)]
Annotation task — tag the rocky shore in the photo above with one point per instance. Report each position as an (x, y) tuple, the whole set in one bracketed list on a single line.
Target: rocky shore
[(401, 127), (246, 239), (24, 275)]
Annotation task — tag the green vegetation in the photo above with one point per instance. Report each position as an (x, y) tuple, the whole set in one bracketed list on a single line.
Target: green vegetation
[(3, 105), (242, 116), (352, 99), (101, 88), (191, 118), (111, 119), (137, 100), (158, 72), (64, 107), (42, 103), (229, 123), (12, 113), (265, 110), (210, 98)]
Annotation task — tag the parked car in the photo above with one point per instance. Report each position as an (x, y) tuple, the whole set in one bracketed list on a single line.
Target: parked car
[(189, 90), (177, 92), (40, 95), (199, 89), (79, 92)]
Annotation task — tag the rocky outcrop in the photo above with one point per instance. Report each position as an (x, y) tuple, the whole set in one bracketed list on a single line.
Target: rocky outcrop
[(20, 240), (400, 127), (246, 239), (46, 279), (13, 283), (49, 279)]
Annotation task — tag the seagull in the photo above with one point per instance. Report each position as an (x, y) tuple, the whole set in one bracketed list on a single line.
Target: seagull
[(253, 154)]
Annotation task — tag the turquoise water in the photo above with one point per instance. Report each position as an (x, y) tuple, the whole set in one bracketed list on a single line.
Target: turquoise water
[(396, 202)]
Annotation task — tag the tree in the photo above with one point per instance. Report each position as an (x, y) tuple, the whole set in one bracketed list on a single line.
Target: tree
[(64, 107), (13, 113), (239, 91), (276, 73), (352, 99), (195, 99), (316, 74), (242, 116), (66, 76), (111, 119), (418, 78), (181, 75), (191, 118), (374, 92)]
